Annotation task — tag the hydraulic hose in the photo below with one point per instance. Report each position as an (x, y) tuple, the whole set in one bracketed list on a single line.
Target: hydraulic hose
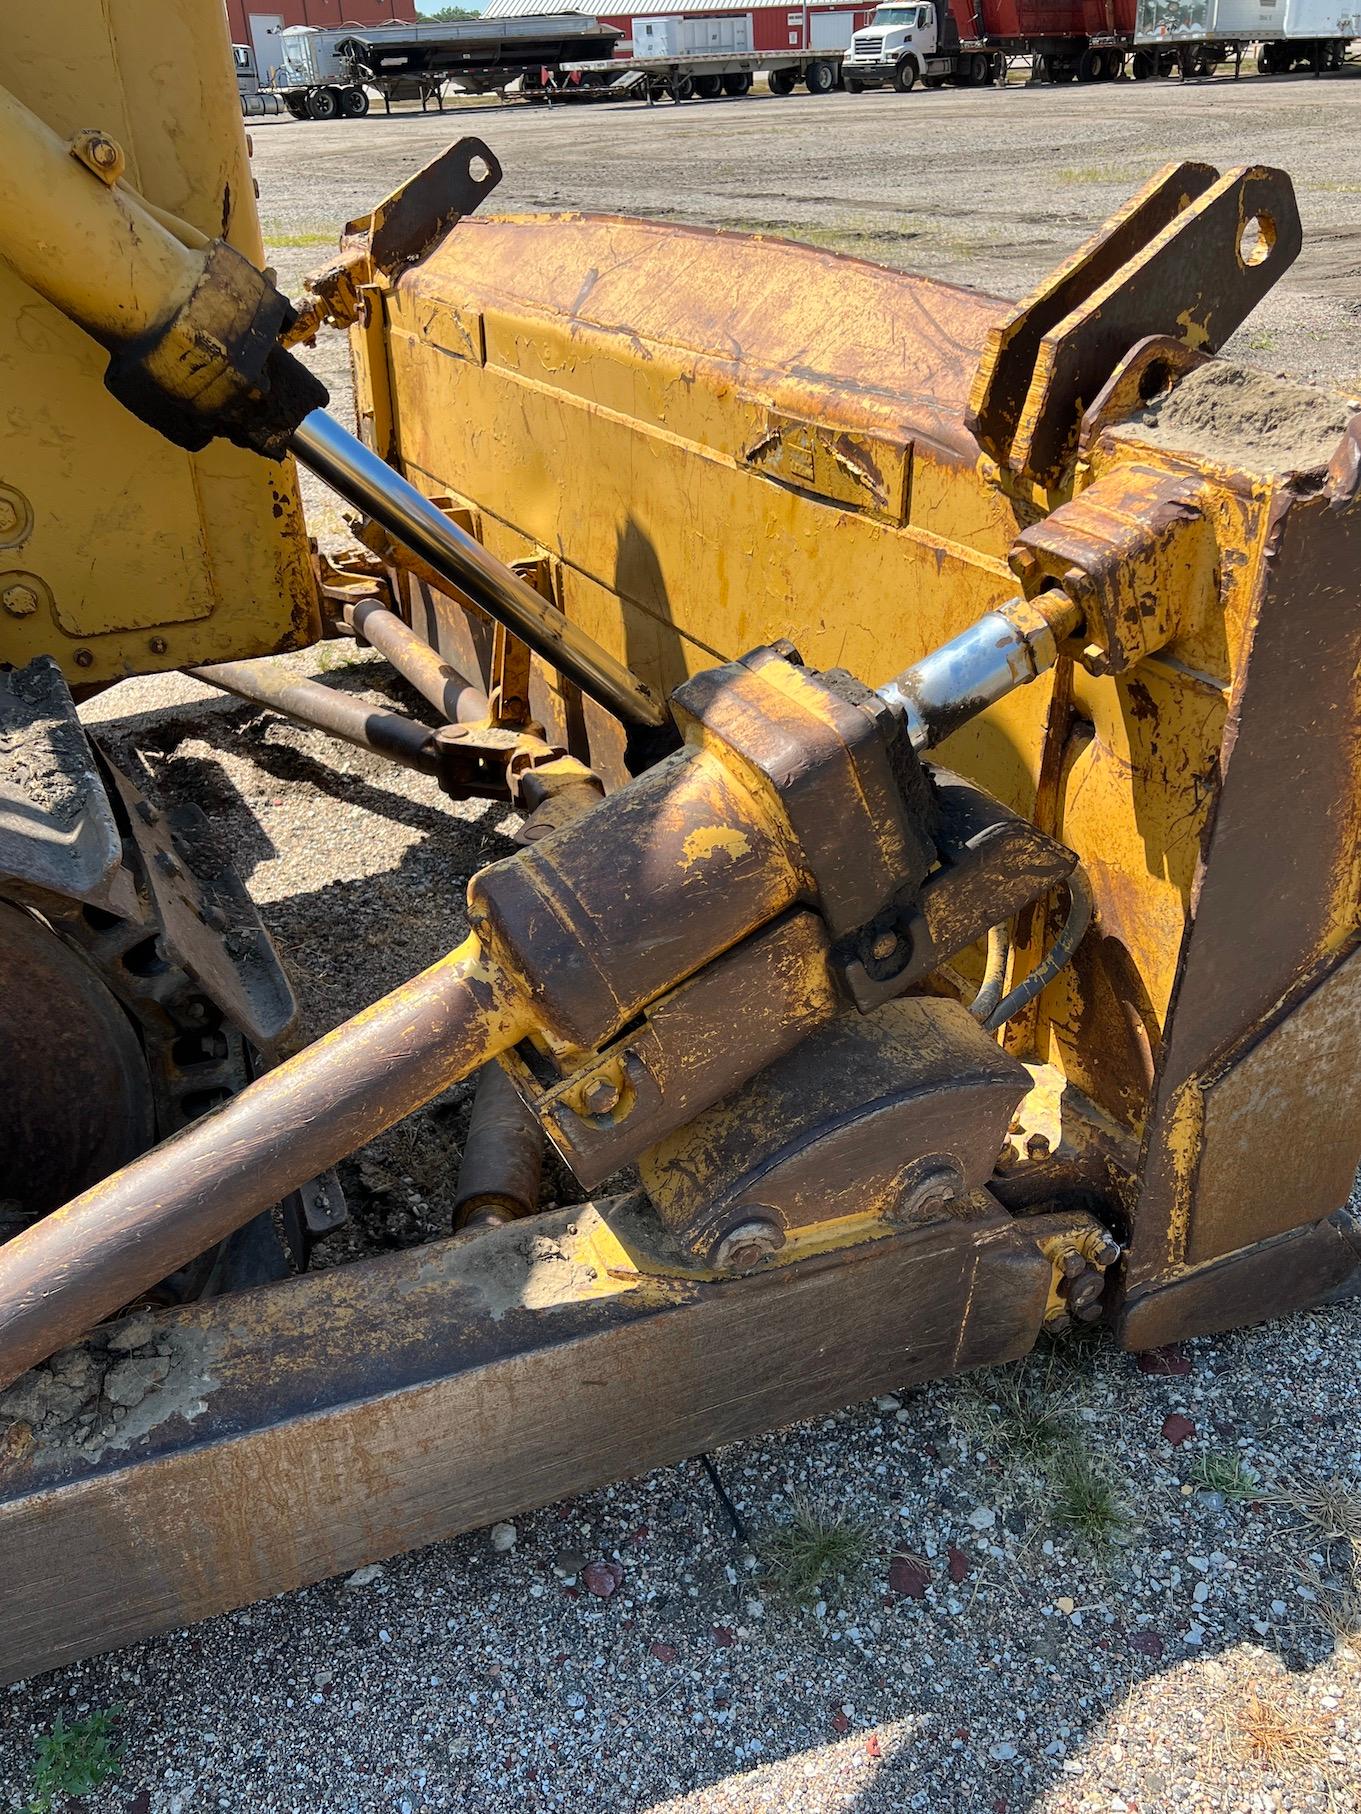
[(995, 975), (1060, 953)]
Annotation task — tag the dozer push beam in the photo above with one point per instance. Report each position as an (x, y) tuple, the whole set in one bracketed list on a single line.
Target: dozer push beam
[(697, 861)]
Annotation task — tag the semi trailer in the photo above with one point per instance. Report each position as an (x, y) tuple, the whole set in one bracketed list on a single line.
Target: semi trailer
[(328, 73)]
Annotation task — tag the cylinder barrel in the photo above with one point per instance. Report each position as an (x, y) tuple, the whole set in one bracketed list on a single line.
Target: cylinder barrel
[(92, 250)]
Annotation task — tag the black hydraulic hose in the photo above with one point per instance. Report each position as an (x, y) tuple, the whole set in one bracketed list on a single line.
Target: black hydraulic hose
[(1060, 953), (995, 975)]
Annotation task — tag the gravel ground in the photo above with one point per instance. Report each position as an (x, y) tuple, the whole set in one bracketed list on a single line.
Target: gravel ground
[(1087, 1583)]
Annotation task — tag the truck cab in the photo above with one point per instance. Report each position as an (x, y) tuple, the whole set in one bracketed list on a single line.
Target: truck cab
[(898, 45)]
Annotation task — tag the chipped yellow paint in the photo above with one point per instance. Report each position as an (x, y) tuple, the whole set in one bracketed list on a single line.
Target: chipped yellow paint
[(712, 840), (1195, 333)]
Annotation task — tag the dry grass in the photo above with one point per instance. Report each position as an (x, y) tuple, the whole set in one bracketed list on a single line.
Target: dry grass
[(1330, 1516), (1270, 1729)]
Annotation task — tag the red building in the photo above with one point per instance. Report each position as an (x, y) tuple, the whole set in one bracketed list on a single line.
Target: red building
[(718, 25), (252, 23)]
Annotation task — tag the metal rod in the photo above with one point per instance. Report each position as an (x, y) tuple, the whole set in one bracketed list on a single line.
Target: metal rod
[(386, 733), (425, 668), (98, 1252), (1003, 650), (372, 486), (502, 1164)]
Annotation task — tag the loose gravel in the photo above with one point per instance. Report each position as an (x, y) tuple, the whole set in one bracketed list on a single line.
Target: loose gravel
[(627, 1650)]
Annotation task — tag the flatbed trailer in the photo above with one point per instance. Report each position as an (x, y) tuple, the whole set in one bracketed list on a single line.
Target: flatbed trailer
[(686, 76)]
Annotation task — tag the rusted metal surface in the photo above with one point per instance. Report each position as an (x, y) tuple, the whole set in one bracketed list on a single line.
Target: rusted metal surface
[(396, 1401), (895, 1116), (57, 831), (98, 1251), (502, 1159), (452, 696), (1195, 280), (1007, 368), (75, 1101), (387, 733)]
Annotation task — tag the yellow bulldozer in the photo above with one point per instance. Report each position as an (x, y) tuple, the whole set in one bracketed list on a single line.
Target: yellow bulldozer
[(933, 722)]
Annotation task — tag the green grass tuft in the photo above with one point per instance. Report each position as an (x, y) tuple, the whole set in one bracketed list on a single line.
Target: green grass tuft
[(1086, 1498), (812, 1548), (1220, 1472), (73, 1760)]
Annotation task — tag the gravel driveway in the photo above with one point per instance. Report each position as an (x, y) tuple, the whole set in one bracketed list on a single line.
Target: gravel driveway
[(1091, 1582)]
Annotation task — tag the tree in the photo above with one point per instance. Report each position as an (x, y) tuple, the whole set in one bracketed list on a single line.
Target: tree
[(453, 12)]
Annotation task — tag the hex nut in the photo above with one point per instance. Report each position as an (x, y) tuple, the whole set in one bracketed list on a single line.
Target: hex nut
[(1037, 1146), (600, 1096)]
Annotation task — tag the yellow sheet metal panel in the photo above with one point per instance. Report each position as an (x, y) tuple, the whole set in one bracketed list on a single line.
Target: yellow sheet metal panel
[(118, 552), (721, 440)]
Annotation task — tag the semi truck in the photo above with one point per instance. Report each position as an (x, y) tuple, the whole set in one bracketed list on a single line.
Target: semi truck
[(970, 42)]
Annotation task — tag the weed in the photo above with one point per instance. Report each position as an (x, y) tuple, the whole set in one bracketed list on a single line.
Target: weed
[(1086, 1498), (814, 1547), (73, 1760), (1264, 1729), (283, 237), (1090, 173), (1217, 1471), (1018, 1411), (1330, 1513)]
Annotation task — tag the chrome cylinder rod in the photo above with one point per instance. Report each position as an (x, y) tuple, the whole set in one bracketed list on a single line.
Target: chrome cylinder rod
[(371, 485), (1005, 649)]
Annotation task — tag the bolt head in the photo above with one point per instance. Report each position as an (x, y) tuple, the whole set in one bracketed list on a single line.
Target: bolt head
[(885, 944), (104, 153), (601, 1096), (19, 601), (746, 1244), (1037, 1146), (1072, 1264), (1107, 1253), (84, 659), (931, 1195), (9, 517)]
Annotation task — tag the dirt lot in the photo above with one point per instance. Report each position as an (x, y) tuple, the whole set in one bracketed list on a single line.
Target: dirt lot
[(1077, 1586)]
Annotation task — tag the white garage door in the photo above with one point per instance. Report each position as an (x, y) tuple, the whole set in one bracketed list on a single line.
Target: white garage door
[(830, 31)]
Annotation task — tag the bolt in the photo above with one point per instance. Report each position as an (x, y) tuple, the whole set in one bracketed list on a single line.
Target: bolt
[(1088, 1313), (146, 812), (9, 517), (158, 645), (215, 919), (885, 944), (1006, 1159), (1016, 1125), (167, 864), (746, 1244), (1107, 1251), (104, 153), (1072, 1264), (196, 1010), (1085, 1290), (1058, 1322), (84, 659), (20, 601), (931, 1195), (601, 1095), (1037, 1146)]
